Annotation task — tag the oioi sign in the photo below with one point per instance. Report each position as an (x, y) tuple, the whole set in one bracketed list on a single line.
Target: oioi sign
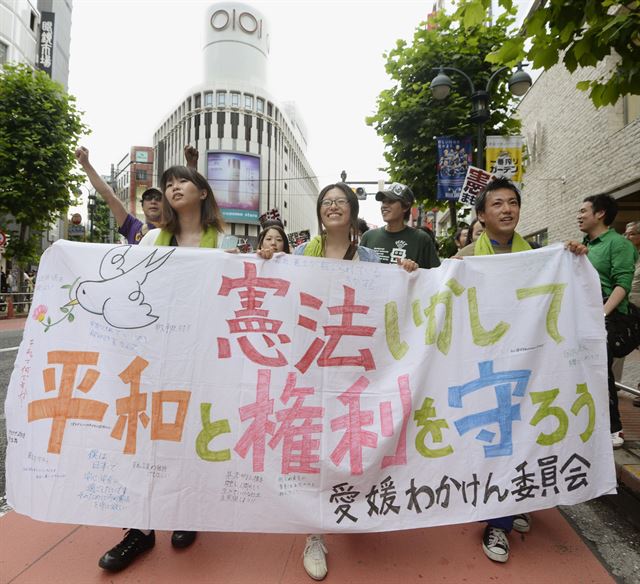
[(223, 19)]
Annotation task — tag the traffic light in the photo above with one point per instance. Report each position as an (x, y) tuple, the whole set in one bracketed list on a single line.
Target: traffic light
[(361, 194)]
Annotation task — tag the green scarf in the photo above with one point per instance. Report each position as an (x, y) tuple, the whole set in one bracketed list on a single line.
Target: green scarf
[(315, 247), (484, 247), (208, 239)]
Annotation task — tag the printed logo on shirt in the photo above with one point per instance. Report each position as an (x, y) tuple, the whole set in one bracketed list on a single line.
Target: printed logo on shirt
[(399, 252)]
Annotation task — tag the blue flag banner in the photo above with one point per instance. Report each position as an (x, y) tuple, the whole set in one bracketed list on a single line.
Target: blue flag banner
[(454, 158)]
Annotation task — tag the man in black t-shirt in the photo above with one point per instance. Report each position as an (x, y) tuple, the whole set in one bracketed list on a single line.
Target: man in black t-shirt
[(396, 242)]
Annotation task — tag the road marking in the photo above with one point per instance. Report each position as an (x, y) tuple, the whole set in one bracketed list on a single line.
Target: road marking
[(9, 349)]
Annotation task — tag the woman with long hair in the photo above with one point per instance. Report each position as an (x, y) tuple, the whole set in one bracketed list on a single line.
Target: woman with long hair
[(274, 237), (190, 218), (190, 214), (337, 211)]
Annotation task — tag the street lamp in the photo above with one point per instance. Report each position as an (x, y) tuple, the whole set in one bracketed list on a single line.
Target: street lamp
[(441, 86), (91, 207)]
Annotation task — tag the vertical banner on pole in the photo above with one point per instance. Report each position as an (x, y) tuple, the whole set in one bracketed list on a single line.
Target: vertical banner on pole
[(504, 157), (454, 158)]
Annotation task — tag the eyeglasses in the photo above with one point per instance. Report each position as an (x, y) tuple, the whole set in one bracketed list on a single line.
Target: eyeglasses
[(152, 197), (339, 202)]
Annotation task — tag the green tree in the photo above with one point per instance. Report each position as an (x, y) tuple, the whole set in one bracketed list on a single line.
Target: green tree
[(101, 222), (408, 118), (580, 33), (39, 131)]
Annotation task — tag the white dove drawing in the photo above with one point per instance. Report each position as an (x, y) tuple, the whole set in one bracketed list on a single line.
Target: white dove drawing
[(118, 296)]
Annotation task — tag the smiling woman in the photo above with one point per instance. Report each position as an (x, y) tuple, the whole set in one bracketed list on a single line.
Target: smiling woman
[(337, 212)]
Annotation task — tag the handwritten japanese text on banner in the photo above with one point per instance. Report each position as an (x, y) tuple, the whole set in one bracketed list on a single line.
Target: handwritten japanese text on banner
[(194, 389)]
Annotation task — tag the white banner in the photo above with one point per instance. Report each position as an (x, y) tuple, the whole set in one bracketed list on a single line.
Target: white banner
[(178, 388)]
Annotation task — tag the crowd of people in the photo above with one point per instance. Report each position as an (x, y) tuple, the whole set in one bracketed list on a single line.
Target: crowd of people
[(184, 212)]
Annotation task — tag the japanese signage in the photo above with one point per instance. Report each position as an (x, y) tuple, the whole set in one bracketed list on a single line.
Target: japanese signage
[(235, 180), (474, 182), (46, 46), (504, 156), (177, 388), (270, 215), (454, 157)]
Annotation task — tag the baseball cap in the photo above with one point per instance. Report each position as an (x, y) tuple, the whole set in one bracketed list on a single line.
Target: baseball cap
[(396, 192), (151, 194)]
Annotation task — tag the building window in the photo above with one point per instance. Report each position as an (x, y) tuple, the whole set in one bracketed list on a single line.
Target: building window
[(32, 21), (141, 175), (269, 109), (286, 167), (248, 102), (221, 98), (4, 49), (260, 105), (286, 150), (285, 186), (539, 238), (235, 99), (188, 104), (197, 99), (285, 204), (208, 99), (631, 108)]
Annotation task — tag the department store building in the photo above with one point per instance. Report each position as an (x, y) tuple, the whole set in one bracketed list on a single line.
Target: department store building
[(252, 148)]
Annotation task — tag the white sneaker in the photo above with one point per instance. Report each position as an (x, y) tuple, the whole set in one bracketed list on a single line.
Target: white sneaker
[(495, 544), (313, 558), (617, 440), (522, 523)]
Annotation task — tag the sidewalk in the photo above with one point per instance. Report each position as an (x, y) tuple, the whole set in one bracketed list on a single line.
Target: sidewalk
[(628, 457), (33, 552)]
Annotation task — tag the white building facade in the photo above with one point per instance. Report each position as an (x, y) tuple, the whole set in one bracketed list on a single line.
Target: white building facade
[(252, 149), (576, 150), (19, 21)]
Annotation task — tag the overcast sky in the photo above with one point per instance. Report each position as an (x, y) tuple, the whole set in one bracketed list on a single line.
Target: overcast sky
[(132, 62)]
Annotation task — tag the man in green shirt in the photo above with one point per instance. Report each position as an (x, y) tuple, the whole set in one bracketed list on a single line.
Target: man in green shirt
[(396, 242), (614, 258)]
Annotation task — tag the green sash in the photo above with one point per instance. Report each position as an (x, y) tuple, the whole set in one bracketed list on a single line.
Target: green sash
[(484, 247), (315, 247), (208, 239)]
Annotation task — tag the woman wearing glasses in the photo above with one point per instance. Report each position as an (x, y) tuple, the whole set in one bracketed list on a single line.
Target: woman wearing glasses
[(337, 210)]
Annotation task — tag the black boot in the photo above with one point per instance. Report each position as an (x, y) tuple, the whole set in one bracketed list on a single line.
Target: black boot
[(183, 539), (133, 544)]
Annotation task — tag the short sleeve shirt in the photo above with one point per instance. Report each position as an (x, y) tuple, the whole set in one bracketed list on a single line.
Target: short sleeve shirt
[(410, 243), (133, 229)]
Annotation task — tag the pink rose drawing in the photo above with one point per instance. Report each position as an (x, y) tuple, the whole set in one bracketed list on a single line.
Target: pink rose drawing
[(40, 312)]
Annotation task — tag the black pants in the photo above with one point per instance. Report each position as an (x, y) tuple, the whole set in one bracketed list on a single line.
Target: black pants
[(614, 414)]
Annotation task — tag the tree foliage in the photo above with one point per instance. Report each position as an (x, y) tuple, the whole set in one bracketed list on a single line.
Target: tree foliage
[(408, 117), (101, 228), (580, 33), (39, 131)]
